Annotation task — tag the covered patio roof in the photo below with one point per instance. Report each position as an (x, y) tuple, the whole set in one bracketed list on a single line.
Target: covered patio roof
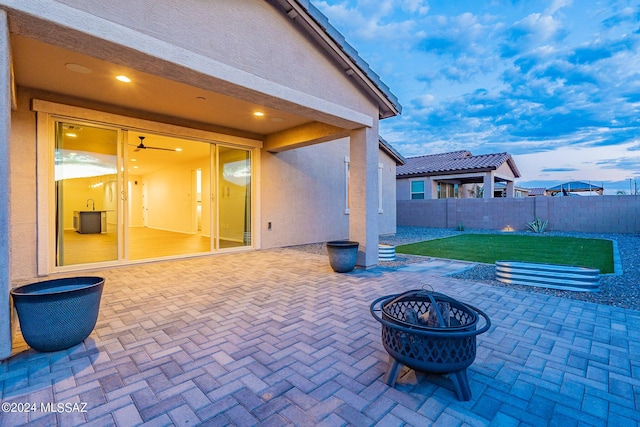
[(72, 57)]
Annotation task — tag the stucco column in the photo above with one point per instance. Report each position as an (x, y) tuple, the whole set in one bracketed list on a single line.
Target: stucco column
[(488, 185), (511, 187), (433, 189), (5, 123), (363, 189)]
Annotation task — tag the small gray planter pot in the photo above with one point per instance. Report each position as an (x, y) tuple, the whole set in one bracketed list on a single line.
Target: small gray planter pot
[(57, 314), (343, 255)]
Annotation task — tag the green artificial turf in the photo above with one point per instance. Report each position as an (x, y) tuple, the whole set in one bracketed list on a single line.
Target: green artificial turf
[(489, 248)]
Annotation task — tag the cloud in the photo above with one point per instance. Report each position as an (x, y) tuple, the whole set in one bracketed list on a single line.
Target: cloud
[(556, 5), (375, 20), (626, 15), (599, 50), (559, 169), (533, 31), (423, 101), (550, 79), (631, 164), (415, 6)]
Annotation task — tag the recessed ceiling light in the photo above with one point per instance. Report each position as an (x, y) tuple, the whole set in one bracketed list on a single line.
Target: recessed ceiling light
[(133, 160), (178, 149), (258, 114), (135, 167), (78, 68), (71, 135), (123, 79)]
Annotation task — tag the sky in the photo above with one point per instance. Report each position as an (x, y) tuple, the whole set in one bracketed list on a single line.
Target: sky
[(555, 83)]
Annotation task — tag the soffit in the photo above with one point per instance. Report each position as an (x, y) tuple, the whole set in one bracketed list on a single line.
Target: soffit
[(42, 66)]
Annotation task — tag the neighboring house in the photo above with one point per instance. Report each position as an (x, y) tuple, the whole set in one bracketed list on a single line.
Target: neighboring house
[(457, 174), (537, 191), (232, 126), (500, 190)]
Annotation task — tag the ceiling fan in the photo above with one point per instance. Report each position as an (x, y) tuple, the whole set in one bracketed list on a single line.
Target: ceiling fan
[(141, 146)]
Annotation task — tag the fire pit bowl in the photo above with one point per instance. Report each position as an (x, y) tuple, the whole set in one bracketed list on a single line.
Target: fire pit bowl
[(429, 332)]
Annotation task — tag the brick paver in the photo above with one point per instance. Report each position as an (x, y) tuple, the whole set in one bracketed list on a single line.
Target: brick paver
[(276, 338)]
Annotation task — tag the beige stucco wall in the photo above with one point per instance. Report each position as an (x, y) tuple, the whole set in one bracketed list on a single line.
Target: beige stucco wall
[(505, 171), (403, 189), (387, 219), (23, 190), (250, 35), (303, 193)]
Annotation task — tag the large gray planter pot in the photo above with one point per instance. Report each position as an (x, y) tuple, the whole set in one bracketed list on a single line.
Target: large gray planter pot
[(58, 314), (343, 255)]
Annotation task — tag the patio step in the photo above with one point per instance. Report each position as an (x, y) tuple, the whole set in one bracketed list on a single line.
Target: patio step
[(551, 276)]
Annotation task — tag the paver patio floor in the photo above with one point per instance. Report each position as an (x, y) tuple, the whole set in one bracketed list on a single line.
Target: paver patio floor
[(276, 338)]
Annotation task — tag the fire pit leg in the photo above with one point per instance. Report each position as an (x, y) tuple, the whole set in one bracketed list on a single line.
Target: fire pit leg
[(461, 384), (392, 373)]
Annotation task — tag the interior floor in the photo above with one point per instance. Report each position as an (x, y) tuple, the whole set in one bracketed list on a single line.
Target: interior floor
[(144, 243)]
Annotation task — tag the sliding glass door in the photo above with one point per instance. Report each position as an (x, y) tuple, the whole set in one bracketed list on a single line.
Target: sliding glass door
[(234, 197), (86, 194), (124, 195), (169, 196)]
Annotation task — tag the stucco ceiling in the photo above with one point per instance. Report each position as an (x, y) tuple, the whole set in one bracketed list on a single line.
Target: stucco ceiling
[(45, 67)]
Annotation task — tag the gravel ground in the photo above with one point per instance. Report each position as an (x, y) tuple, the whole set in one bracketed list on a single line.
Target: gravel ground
[(617, 290)]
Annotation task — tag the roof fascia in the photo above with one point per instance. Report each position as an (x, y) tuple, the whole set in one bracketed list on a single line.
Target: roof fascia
[(318, 26), (447, 173), (514, 168), (392, 152)]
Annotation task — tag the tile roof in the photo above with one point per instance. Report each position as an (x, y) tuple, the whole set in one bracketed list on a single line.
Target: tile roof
[(537, 191), (456, 162), (292, 8)]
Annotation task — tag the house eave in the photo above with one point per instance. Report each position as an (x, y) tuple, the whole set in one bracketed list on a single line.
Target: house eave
[(446, 173), (318, 27)]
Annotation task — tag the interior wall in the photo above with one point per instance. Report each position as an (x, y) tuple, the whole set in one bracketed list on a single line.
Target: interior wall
[(136, 215), (76, 193), (171, 198)]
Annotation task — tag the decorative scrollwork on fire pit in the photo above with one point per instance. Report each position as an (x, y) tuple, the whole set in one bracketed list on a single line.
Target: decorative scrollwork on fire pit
[(429, 332)]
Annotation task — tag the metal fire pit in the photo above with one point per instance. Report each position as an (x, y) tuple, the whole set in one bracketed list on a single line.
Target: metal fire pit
[(429, 332)]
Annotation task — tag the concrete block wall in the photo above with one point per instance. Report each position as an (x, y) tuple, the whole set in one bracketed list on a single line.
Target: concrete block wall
[(603, 214)]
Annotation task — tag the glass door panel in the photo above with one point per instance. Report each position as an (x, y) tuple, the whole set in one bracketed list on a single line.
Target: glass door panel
[(86, 194), (234, 197), (169, 195)]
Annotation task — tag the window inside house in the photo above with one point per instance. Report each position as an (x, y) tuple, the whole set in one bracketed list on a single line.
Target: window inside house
[(417, 190)]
